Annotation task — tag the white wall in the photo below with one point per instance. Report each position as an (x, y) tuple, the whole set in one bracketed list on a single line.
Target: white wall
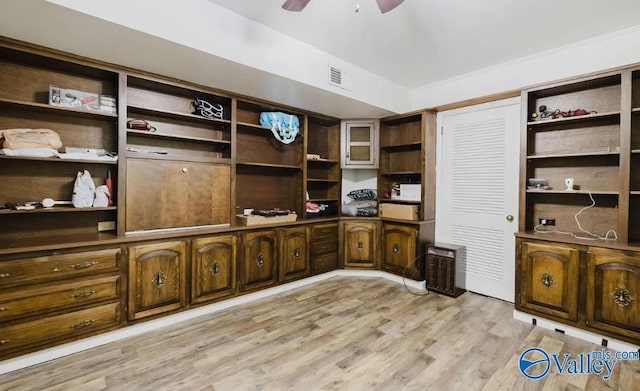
[(605, 52)]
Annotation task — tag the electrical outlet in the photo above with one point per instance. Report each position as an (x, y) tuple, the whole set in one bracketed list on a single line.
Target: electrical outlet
[(547, 221)]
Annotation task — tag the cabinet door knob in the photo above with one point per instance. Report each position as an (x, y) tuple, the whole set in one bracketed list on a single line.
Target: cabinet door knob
[(83, 325), (159, 279), (547, 280), (396, 249), (184, 169), (260, 260), (360, 245), (296, 253), (2, 309), (214, 269), (510, 218), (4, 341), (622, 296), (4, 275)]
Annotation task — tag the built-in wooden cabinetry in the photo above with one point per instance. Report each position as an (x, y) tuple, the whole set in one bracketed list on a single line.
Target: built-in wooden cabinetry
[(360, 140), (213, 267), (53, 297), (157, 281), (324, 247), (258, 259), (407, 156), (170, 240), (404, 246), (294, 253), (584, 269), (360, 243)]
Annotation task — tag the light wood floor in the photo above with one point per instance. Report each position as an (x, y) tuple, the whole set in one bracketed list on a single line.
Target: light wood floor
[(339, 334)]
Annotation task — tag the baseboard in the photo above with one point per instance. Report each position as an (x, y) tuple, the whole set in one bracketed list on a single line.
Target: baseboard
[(49, 354), (584, 335)]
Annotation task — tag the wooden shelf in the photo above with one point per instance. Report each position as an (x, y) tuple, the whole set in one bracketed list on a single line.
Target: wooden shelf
[(176, 157), (56, 209), (330, 181), (576, 154), (178, 137), (58, 160), (41, 107), (323, 200), (579, 118), (635, 110), (253, 126), (400, 173), (175, 115), (392, 201), (267, 165), (570, 192), (405, 146), (323, 161)]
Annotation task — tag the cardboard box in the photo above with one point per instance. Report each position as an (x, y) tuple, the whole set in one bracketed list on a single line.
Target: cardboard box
[(259, 220), (398, 211)]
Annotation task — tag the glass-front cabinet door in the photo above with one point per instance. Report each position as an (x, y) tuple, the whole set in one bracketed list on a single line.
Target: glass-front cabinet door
[(359, 144)]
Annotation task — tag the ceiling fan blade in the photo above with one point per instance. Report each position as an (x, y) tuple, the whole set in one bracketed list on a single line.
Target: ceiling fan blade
[(388, 5), (295, 5)]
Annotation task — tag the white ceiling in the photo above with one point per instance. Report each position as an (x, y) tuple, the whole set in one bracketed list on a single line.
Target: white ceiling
[(424, 41)]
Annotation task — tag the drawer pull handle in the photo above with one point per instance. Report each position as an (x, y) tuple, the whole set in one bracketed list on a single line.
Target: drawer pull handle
[(4, 275), (83, 265), (2, 309), (4, 341), (622, 296), (360, 245), (214, 269), (396, 249), (296, 253), (159, 279), (260, 260), (547, 280), (84, 324), (83, 294)]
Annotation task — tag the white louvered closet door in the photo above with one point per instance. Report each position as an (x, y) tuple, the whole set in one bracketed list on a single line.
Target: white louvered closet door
[(478, 193)]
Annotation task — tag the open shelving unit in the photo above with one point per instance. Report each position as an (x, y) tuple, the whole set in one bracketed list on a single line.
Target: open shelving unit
[(323, 174), (25, 79)]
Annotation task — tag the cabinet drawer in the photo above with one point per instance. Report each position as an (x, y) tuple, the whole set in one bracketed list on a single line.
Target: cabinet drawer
[(58, 266), (324, 264), (59, 327), (323, 232), (324, 247), (23, 302)]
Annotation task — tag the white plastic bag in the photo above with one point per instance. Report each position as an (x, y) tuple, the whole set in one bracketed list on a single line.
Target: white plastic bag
[(84, 190), (102, 197)]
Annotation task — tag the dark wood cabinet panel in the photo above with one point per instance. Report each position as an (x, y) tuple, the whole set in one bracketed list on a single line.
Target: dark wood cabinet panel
[(294, 253), (360, 244), (548, 279), (156, 278), (213, 268), (613, 292), (258, 261), (167, 194), (399, 250)]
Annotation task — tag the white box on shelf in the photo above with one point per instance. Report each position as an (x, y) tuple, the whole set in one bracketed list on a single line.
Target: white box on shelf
[(410, 192)]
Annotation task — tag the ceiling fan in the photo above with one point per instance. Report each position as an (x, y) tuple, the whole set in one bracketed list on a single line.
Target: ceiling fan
[(298, 5)]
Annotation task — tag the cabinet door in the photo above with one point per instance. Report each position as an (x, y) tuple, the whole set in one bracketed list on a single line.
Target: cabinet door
[(213, 273), (359, 146), (196, 193), (548, 281), (156, 278), (360, 244), (294, 253), (613, 292), (399, 250), (258, 260)]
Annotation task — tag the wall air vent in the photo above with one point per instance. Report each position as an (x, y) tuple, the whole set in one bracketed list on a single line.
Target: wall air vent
[(338, 78)]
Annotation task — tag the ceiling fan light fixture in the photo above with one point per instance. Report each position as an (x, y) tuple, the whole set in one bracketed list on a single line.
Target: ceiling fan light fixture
[(298, 5), (295, 5)]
